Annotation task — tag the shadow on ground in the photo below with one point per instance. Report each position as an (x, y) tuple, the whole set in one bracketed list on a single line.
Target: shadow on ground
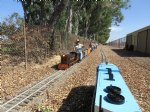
[(78, 100), (55, 67), (125, 53)]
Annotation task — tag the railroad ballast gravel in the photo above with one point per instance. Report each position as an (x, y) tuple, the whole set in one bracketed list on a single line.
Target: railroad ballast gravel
[(14, 79), (135, 71), (74, 93), (78, 88)]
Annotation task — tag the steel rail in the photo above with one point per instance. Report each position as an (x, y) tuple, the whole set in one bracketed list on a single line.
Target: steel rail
[(32, 91), (9, 105), (103, 56), (22, 97)]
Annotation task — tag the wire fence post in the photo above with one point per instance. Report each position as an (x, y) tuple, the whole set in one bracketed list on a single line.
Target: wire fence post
[(1, 91), (25, 44), (60, 43), (66, 34)]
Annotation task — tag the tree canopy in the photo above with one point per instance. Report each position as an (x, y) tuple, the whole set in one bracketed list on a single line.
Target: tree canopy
[(11, 24), (88, 18)]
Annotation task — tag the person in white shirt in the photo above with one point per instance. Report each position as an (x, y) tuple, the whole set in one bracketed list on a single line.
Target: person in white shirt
[(79, 48)]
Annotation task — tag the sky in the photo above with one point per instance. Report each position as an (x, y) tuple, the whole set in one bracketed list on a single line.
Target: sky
[(8, 7), (136, 17)]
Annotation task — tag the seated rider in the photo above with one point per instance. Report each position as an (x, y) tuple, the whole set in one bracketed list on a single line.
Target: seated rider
[(91, 46), (79, 48)]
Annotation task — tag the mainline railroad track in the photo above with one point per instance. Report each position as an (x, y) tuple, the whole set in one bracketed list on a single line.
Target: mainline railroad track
[(25, 97)]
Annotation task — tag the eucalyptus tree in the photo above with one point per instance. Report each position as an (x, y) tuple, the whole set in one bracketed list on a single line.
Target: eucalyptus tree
[(103, 15), (38, 12), (85, 18), (11, 25)]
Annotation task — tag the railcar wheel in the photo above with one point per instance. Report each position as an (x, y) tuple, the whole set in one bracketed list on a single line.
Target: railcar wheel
[(113, 89), (115, 98)]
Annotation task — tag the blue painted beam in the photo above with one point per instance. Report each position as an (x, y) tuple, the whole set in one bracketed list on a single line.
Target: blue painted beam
[(130, 104)]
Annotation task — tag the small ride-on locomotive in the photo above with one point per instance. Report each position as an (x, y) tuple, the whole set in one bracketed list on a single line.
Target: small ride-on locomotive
[(68, 60)]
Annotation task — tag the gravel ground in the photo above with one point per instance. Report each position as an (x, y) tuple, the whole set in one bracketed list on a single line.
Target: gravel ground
[(135, 70), (14, 79), (74, 92), (75, 95)]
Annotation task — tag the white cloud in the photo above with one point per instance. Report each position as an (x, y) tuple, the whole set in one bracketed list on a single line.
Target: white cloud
[(115, 29)]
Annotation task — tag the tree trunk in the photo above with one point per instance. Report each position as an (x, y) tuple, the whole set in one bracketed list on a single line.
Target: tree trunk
[(52, 41), (26, 16), (69, 24), (54, 17), (86, 29), (57, 11), (77, 25)]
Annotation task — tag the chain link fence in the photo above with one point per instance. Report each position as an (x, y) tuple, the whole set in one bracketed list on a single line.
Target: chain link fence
[(34, 44), (120, 43), (28, 55)]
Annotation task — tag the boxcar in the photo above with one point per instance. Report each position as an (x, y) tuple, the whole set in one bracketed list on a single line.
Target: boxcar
[(139, 40)]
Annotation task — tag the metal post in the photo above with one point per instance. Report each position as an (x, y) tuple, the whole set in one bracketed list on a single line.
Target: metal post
[(25, 44), (1, 101), (100, 104)]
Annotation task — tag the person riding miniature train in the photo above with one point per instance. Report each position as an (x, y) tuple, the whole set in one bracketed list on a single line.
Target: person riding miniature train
[(91, 46), (79, 48)]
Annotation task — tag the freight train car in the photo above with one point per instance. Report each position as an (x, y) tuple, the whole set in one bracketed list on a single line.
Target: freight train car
[(139, 40), (111, 92), (120, 43)]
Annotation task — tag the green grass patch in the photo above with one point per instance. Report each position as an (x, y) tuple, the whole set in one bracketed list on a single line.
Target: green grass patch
[(7, 50)]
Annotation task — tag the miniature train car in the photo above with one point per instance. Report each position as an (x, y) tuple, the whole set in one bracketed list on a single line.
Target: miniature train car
[(111, 92), (68, 60)]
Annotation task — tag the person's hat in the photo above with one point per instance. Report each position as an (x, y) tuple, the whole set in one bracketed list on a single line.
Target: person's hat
[(77, 40)]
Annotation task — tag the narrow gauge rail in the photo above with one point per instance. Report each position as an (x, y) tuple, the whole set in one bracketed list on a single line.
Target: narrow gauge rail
[(103, 57), (14, 102), (33, 91)]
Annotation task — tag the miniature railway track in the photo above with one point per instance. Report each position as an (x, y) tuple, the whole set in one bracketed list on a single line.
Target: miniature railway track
[(103, 57), (14, 102), (33, 91), (23, 98)]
